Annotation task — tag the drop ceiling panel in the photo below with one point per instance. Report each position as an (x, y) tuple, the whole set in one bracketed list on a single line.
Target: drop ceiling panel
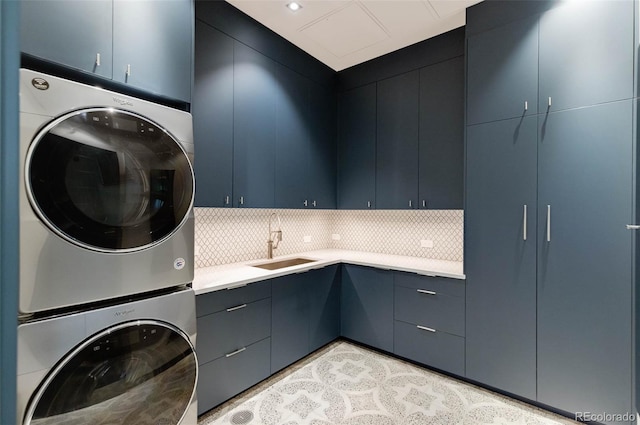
[(343, 33)]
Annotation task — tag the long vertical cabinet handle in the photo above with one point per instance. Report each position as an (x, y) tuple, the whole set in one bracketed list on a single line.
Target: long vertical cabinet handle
[(524, 223), (548, 223), (97, 59)]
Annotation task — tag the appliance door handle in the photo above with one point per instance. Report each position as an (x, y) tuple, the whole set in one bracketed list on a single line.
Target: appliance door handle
[(633, 226), (424, 291)]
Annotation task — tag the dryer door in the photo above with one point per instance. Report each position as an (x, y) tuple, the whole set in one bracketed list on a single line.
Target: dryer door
[(109, 180), (140, 372)]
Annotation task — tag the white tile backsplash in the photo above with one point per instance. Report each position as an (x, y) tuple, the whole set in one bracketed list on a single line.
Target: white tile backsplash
[(229, 235)]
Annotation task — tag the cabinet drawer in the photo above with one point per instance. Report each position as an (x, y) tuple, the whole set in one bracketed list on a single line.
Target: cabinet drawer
[(436, 349), (433, 309), (445, 285), (225, 377), (225, 331), (228, 298)]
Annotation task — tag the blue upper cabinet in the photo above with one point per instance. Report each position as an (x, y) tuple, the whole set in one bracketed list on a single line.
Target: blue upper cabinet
[(74, 33), (255, 93), (145, 44), (584, 54), (397, 142), (212, 110), (152, 46), (305, 143), (292, 140), (502, 72), (357, 148), (441, 148), (322, 146)]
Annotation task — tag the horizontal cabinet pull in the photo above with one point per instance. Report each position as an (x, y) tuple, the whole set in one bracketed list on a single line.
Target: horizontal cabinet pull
[(633, 226), (424, 328), (424, 291), (238, 307), (235, 352)]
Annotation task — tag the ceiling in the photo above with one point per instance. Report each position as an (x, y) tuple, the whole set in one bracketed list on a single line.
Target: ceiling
[(343, 33)]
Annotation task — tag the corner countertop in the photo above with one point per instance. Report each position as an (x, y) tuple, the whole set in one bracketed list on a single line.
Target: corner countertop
[(208, 279)]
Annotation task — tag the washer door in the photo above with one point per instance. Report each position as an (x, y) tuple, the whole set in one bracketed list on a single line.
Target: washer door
[(141, 372), (109, 180)]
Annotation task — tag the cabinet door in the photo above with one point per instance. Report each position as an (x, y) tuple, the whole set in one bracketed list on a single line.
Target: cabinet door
[(441, 147), (69, 32), (502, 72), (324, 306), (254, 128), (357, 148), (292, 140), (322, 146), (500, 264), (289, 320), (586, 54), (367, 306), (212, 110), (397, 142), (153, 40), (584, 271)]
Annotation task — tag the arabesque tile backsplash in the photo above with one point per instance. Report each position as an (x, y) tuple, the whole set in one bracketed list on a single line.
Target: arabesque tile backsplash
[(230, 235)]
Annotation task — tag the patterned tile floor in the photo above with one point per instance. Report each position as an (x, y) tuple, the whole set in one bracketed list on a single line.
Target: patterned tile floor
[(347, 384)]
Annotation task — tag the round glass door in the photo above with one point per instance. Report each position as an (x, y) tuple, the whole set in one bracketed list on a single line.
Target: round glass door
[(109, 180), (141, 372)]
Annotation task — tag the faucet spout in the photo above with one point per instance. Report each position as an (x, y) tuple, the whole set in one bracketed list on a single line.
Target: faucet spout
[(275, 236)]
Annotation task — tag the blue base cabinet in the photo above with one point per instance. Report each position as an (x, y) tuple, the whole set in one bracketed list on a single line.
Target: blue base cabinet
[(367, 306), (429, 325), (305, 314), (324, 307), (234, 344)]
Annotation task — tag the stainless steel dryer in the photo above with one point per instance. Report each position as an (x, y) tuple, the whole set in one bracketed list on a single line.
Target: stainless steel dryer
[(131, 363), (106, 194)]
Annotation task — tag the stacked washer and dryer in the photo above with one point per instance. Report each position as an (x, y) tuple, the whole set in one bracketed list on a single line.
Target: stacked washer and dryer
[(107, 317)]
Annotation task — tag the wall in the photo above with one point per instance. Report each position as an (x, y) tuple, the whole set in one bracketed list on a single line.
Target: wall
[(229, 235)]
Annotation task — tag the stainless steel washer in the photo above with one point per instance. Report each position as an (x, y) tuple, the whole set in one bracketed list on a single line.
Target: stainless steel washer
[(131, 363), (106, 194)]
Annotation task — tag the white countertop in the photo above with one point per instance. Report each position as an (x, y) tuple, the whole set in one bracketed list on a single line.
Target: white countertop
[(208, 279)]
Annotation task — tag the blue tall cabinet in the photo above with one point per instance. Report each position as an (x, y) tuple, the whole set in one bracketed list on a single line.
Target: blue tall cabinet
[(549, 190)]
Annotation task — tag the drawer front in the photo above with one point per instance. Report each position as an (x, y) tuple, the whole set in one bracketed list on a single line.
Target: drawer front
[(440, 311), (226, 377), (436, 349), (444, 285), (223, 299), (226, 331)]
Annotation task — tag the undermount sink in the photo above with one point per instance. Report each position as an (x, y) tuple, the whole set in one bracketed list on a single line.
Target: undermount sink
[(274, 265)]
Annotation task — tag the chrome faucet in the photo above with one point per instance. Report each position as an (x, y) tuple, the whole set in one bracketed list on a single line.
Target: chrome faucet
[(275, 236)]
